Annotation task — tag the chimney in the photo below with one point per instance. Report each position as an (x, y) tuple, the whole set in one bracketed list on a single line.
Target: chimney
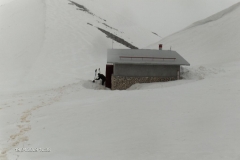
[(160, 46)]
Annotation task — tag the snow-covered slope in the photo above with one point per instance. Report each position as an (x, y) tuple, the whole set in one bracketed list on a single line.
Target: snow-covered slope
[(193, 118), (51, 42), (209, 41), (22, 31)]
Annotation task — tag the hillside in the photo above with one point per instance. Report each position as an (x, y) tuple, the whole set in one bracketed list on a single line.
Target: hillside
[(213, 40), (47, 43)]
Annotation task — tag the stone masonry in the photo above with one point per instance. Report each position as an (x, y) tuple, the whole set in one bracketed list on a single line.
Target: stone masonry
[(122, 83)]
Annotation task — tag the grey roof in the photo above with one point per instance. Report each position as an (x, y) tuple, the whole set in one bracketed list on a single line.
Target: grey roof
[(145, 56)]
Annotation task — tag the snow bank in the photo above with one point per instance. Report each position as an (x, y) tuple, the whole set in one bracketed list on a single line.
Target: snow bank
[(188, 75), (95, 86)]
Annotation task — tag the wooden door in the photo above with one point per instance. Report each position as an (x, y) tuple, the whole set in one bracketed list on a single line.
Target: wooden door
[(109, 72)]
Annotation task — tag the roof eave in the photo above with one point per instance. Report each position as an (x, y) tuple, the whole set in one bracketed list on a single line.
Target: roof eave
[(149, 63)]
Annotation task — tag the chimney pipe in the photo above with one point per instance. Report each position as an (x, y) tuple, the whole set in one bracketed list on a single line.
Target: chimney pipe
[(160, 46)]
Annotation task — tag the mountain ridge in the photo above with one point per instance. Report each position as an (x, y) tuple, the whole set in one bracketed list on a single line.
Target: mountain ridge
[(208, 42), (215, 16)]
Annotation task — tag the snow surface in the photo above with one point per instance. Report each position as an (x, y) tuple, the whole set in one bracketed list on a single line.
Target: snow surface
[(48, 54)]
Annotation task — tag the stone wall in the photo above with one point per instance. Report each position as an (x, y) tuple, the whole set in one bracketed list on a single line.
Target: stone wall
[(122, 83)]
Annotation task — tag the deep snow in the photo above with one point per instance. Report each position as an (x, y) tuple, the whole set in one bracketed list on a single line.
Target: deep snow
[(193, 118)]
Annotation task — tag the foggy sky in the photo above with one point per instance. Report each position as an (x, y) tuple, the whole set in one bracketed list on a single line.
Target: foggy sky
[(2, 2), (167, 16)]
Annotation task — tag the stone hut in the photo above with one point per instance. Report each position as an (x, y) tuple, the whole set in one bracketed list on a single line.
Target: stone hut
[(126, 67)]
